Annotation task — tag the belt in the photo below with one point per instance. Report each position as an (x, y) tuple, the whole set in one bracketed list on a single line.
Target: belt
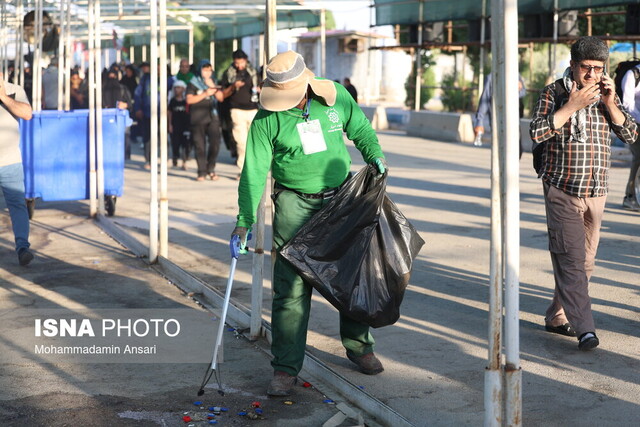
[(323, 195), (327, 194), (316, 196)]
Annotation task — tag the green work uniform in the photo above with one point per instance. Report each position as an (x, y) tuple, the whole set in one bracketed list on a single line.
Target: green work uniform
[(276, 141)]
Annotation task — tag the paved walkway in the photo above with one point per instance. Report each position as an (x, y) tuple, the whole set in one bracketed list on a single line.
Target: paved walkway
[(436, 353), (79, 267)]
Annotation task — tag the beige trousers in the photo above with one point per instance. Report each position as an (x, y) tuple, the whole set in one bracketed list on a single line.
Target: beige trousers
[(574, 233), (241, 120)]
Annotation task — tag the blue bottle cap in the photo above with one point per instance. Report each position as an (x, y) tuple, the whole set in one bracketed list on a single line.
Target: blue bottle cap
[(198, 403), (242, 413), (258, 411), (213, 422), (328, 401), (223, 409)]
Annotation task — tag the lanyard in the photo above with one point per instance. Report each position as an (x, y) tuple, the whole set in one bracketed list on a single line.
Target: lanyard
[(305, 115)]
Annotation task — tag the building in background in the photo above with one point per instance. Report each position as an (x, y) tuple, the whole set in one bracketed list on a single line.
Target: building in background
[(379, 75)]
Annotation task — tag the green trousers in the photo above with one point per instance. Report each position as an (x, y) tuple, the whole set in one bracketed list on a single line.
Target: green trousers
[(292, 295)]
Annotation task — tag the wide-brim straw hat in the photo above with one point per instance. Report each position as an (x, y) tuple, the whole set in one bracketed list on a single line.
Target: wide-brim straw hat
[(287, 80)]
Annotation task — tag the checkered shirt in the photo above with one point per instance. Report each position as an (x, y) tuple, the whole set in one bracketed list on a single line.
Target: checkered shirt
[(579, 169)]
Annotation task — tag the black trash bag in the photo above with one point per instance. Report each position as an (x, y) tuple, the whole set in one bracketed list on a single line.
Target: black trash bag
[(357, 251)]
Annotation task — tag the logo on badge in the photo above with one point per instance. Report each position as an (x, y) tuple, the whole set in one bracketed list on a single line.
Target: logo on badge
[(333, 116)]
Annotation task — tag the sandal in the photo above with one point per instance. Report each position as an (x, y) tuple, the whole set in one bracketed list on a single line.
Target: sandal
[(213, 176)]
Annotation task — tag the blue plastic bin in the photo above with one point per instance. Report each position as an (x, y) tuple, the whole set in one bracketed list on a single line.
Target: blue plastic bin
[(55, 153)]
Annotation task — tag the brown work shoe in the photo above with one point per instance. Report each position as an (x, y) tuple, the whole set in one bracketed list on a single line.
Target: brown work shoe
[(281, 384), (369, 364)]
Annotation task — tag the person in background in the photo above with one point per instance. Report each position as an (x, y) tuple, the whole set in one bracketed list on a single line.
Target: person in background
[(574, 118), (11, 70), (484, 108), (14, 105), (226, 127), (78, 94), (202, 97), (179, 124), (631, 101), (114, 93), (350, 88), (240, 84), (28, 81), (184, 72), (50, 86), (142, 108), (129, 79), (298, 134)]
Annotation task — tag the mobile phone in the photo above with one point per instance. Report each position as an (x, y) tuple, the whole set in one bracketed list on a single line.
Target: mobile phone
[(602, 89)]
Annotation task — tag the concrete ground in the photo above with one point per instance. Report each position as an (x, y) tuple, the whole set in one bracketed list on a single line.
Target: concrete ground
[(78, 266), (434, 355)]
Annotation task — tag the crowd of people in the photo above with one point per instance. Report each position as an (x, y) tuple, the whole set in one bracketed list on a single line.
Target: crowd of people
[(202, 111)]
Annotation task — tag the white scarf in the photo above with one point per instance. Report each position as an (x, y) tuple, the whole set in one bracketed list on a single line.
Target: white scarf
[(579, 118)]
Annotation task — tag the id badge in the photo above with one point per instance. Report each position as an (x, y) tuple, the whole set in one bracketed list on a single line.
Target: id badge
[(311, 137)]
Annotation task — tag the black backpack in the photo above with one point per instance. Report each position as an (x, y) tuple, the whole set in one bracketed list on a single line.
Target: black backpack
[(538, 149), (621, 70)]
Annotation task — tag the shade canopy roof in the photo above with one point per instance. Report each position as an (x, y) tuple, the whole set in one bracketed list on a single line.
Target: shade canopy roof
[(407, 12), (227, 19)]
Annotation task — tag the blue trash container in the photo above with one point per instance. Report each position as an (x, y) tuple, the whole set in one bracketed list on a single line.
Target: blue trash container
[(55, 154)]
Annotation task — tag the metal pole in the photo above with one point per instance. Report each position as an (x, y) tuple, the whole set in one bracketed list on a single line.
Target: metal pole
[(483, 31), (20, 46), (172, 55), (132, 54), (493, 388), (153, 100), (69, 57), (61, 59), (191, 44), (92, 113), (257, 271), (99, 142), (323, 43), (370, 81), (144, 52), (262, 61), (36, 71), (508, 128), (164, 198), (212, 53), (417, 105), (3, 40), (555, 38), (257, 268)]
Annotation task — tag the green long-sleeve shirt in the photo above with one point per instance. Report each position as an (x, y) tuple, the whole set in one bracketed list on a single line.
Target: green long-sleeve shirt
[(274, 142)]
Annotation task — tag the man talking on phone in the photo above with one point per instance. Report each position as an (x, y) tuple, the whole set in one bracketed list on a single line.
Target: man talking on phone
[(573, 118)]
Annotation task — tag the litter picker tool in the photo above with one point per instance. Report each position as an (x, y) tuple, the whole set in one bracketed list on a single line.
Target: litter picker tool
[(237, 249)]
